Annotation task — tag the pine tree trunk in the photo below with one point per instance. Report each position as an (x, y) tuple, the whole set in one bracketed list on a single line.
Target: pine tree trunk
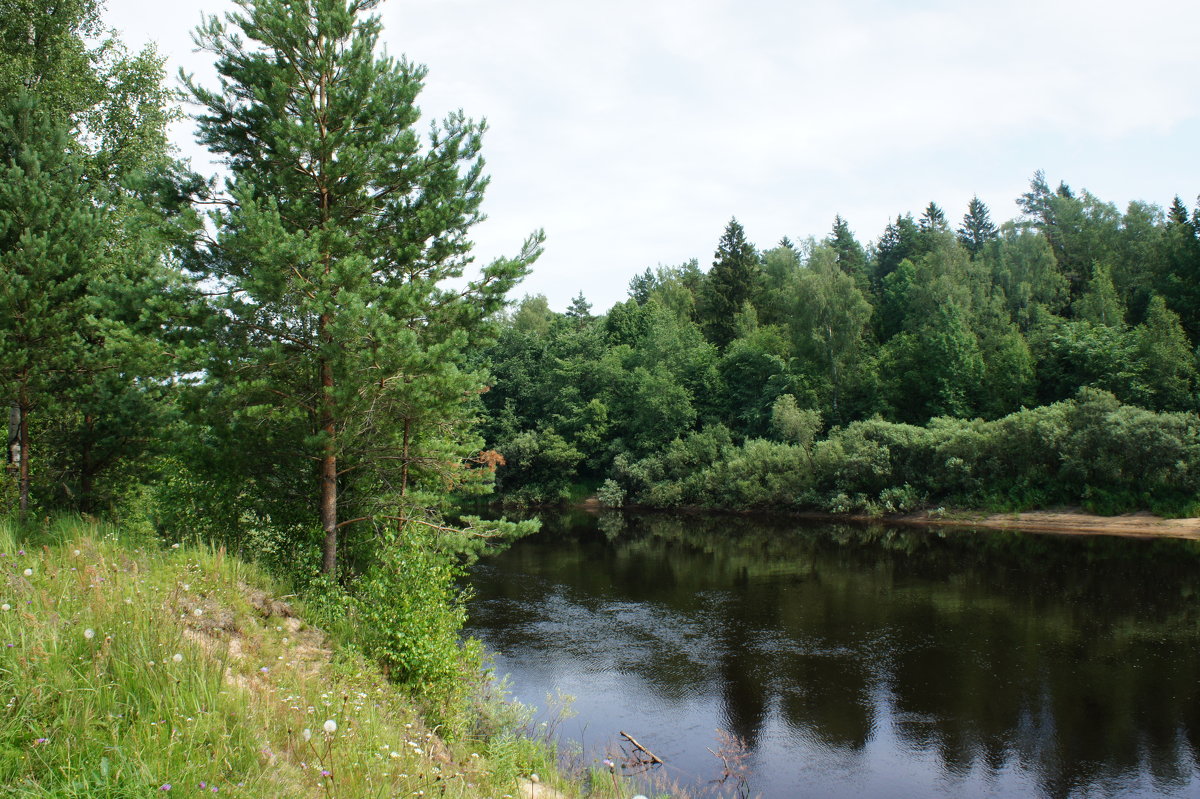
[(329, 512)]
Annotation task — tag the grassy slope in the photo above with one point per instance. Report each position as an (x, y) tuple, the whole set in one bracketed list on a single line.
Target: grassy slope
[(132, 671)]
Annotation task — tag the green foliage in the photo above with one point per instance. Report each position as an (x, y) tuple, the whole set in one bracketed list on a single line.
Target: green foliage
[(540, 467), (1091, 450), (977, 229), (792, 424), (334, 244), (407, 612), (610, 494), (734, 280)]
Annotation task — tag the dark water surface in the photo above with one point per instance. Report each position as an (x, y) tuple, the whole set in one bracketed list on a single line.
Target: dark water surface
[(861, 662)]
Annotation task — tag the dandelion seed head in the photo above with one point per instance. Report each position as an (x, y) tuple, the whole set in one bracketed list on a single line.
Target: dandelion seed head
[(89, 633), (29, 572), (178, 658), (330, 726), (307, 734), (6, 607)]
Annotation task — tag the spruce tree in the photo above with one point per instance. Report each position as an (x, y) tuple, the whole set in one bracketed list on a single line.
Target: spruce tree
[(850, 256), (933, 219), (340, 230), (734, 280), (977, 228), (900, 240)]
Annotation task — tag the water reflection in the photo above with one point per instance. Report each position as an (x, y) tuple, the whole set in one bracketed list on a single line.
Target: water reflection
[(863, 661)]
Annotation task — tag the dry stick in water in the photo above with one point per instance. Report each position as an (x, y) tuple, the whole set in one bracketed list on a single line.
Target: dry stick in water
[(653, 757)]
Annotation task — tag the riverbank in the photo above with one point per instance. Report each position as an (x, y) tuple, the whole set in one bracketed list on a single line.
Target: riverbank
[(136, 668), (1070, 521), (1064, 521)]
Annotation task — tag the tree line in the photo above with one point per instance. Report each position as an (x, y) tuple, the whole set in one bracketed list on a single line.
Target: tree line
[(287, 359), (781, 377)]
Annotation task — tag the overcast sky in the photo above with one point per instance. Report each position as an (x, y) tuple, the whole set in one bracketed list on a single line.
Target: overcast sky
[(632, 130)]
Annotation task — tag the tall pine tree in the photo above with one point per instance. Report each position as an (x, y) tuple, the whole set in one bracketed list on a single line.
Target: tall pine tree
[(50, 246), (341, 229)]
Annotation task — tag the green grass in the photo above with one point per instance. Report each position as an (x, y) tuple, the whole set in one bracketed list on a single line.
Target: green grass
[(132, 669)]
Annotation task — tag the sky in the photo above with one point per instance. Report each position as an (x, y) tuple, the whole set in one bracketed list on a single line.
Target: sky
[(632, 131)]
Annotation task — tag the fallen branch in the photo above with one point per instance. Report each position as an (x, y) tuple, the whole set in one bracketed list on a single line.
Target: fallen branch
[(653, 757)]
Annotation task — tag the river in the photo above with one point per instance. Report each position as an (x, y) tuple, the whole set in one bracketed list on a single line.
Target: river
[(855, 661)]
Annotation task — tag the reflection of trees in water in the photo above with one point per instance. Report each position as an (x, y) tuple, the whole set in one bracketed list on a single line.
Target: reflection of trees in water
[(1073, 658)]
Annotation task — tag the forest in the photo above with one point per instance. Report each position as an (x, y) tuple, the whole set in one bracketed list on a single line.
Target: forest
[(1048, 360), (300, 359)]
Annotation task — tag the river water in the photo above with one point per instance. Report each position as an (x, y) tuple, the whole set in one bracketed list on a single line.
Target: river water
[(855, 661)]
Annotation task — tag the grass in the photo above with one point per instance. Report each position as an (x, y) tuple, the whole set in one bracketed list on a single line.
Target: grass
[(132, 669)]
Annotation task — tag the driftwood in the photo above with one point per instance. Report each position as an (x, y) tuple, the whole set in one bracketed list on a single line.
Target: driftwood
[(653, 757)]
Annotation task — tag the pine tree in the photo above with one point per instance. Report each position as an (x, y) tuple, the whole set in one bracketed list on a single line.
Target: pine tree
[(977, 228), (580, 310), (733, 281), (1035, 203), (341, 229), (113, 109), (50, 246)]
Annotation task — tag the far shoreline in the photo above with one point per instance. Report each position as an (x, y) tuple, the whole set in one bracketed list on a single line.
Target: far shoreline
[(1067, 521), (1063, 521)]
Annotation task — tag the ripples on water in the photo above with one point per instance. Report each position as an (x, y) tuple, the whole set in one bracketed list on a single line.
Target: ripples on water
[(861, 662)]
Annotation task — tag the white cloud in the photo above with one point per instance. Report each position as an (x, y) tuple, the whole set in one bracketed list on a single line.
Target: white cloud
[(632, 131)]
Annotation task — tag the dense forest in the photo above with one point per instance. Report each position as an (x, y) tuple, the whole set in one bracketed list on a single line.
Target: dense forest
[(1047, 360)]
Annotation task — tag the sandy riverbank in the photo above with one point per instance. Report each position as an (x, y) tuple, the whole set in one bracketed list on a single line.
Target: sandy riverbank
[(1067, 522)]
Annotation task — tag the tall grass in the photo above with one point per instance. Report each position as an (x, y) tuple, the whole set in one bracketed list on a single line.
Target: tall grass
[(132, 669)]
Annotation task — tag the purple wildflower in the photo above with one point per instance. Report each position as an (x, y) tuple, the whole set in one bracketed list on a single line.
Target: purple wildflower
[(326, 773), (166, 786)]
